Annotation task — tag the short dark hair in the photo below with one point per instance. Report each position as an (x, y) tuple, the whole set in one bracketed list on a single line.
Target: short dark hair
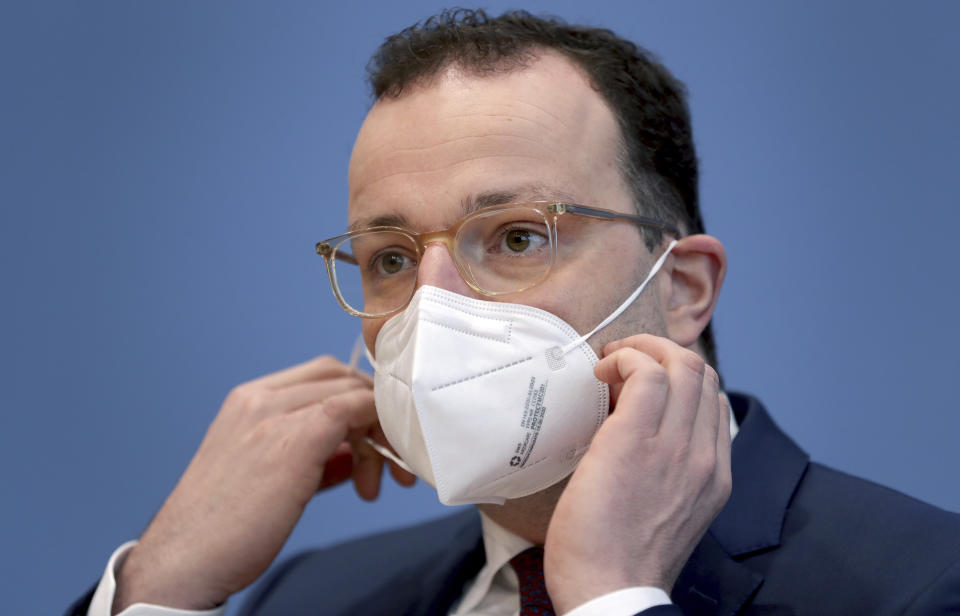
[(658, 158)]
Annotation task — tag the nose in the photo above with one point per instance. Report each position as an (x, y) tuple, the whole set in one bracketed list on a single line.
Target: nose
[(438, 269)]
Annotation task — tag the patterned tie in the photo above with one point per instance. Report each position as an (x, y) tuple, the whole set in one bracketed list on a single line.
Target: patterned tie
[(534, 600)]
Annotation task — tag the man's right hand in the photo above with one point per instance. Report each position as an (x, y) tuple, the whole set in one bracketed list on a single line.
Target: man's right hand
[(274, 443)]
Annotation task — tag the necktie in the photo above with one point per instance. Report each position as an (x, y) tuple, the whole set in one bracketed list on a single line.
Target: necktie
[(534, 600)]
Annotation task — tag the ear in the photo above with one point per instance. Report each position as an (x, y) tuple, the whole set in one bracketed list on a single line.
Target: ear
[(691, 286)]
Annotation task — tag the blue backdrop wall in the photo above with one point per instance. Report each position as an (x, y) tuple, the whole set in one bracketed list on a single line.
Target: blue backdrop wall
[(165, 168)]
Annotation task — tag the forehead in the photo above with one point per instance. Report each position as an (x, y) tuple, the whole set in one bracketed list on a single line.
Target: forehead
[(539, 132)]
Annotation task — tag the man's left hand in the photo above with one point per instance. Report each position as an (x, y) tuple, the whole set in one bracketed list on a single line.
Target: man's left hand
[(656, 475)]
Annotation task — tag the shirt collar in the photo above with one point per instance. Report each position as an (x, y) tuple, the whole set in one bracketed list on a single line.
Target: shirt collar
[(500, 546), (734, 426)]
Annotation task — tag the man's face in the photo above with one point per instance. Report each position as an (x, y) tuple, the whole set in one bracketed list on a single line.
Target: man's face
[(541, 133)]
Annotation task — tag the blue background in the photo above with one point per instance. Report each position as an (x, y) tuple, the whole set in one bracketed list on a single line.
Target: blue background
[(166, 167)]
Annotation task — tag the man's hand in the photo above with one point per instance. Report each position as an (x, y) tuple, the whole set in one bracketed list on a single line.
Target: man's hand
[(274, 443), (656, 475)]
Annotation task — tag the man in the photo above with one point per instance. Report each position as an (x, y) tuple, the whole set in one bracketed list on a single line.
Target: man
[(560, 164)]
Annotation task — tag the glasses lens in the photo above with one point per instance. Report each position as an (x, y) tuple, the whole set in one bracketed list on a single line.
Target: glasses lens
[(506, 250), (375, 272)]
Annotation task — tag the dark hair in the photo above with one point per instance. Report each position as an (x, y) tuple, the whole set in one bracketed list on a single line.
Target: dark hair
[(658, 158)]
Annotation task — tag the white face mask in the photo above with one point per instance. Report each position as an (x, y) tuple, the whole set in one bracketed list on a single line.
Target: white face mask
[(484, 400)]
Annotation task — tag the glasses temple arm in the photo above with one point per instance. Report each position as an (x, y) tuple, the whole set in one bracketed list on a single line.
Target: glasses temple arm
[(582, 210), (324, 250)]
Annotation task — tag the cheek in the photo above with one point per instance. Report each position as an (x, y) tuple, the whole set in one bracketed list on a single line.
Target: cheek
[(584, 290), (370, 329), (575, 298)]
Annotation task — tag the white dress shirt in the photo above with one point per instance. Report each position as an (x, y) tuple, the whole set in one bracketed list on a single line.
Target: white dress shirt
[(495, 591)]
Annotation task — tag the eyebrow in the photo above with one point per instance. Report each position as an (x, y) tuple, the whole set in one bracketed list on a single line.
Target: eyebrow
[(385, 220), (518, 194)]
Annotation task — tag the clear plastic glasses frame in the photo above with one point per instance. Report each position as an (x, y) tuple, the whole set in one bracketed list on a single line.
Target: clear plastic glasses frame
[(550, 212)]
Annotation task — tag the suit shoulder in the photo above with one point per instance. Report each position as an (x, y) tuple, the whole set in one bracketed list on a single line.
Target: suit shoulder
[(858, 521), (854, 499), (345, 578), (419, 541), (851, 546)]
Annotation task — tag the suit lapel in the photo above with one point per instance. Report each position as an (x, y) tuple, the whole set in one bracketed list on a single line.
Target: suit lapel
[(713, 583), (767, 467), (445, 581)]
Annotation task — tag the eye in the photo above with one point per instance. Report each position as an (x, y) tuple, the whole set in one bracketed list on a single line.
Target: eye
[(519, 241), (391, 263)]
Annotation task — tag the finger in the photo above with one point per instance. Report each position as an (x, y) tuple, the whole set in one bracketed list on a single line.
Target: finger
[(615, 368), (656, 347), (706, 429), (615, 390), (400, 475), (315, 435), (686, 370), (724, 438), (324, 367), (642, 398), (404, 478), (297, 396), (339, 467), (367, 470), (363, 376), (320, 428), (356, 407)]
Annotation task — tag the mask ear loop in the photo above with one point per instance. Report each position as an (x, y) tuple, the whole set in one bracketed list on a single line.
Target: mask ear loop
[(358, 347), (626, 304)]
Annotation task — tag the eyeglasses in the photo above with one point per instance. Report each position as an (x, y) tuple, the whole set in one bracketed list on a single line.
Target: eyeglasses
[(498, 250)]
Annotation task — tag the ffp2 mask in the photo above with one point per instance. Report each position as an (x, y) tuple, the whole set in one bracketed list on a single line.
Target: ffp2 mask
[(488, 401)]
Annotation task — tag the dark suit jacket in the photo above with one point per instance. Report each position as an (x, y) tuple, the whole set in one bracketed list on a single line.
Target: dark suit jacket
[(794, 538)]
